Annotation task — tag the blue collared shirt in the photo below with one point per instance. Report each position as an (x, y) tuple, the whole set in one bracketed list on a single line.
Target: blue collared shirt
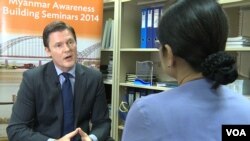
[(62, 79)]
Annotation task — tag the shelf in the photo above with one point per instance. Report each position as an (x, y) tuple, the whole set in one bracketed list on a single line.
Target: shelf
[(150, 2), (139, 50), (144, 87), (6, 103), (107, 82), (228, 1), (108, 4), (121, 127), (107, 49), (108, 1), (224, 3), (125, 0), (237, 48), (233, 3)]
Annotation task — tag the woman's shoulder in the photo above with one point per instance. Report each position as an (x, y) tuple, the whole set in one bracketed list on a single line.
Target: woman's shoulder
[(156, 100)]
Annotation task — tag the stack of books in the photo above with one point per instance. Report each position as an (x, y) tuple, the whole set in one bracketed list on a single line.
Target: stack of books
[(240, 41), (131, 77), (107, 70), (110, 68)]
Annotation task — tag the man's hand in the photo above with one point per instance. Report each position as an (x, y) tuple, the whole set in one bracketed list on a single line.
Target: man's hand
[(84, 136), (69, 136)]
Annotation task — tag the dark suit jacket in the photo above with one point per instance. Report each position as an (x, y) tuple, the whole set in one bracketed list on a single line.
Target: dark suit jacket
[(38, 111)]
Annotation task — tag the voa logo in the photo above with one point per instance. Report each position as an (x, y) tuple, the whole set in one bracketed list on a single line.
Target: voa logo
[(236, 132)]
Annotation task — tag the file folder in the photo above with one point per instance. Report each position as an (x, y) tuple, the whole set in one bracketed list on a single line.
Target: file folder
[(149, 27), (104, 36), (156, 17), (108, 33), (144, 28)]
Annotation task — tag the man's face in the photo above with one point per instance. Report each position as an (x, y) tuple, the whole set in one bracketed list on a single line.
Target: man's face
[(62, 48)]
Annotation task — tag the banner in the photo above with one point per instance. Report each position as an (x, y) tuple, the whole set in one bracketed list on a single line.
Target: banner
[(22, 23)]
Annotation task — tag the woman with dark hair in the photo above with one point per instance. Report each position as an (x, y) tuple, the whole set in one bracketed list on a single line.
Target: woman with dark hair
[(193, 35)]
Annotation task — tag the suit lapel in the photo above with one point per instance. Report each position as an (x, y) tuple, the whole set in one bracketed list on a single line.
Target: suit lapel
[(55, 94), (80, 90)]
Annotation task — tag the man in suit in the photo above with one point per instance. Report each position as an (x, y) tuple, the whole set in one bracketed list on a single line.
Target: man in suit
[(38, 113)]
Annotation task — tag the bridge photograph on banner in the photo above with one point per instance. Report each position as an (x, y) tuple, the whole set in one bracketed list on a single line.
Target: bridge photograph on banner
[(22, 23)]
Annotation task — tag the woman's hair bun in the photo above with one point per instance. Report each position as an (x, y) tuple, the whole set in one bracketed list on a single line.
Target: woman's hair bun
[(220, 67)]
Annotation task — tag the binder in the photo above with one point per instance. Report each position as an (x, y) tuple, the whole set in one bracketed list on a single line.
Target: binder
[(149, 27), (131, 96), (144, 28), (112, 35), (104, 34), (156, 17), (108, 33), (137, 94)]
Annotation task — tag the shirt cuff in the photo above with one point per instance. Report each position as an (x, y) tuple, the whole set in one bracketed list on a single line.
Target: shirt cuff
[(51, 139), (93, 137)]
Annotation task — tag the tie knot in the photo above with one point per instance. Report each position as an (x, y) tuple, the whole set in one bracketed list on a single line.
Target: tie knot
[(66, 75)]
